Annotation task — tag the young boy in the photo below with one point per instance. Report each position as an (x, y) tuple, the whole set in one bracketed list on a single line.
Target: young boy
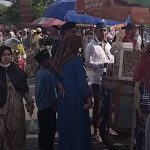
[(45, 100)]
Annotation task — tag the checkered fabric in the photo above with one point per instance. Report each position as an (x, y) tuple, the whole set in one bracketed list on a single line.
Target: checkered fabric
[(145, 96), (145, 100)]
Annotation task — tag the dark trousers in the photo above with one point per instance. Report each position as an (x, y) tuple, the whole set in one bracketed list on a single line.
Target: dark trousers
[(47, 127), (96, 89)]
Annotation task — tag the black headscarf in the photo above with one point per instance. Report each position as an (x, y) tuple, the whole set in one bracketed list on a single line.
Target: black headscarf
[(67, 49), (15, 75), (2, 49)]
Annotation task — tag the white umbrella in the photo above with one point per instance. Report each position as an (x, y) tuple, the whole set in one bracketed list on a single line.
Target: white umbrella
[(11, 42)]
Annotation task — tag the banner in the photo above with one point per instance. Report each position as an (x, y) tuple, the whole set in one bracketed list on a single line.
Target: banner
[(86, 5)]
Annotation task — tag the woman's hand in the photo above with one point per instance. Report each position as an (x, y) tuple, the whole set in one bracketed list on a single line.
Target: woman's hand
[(61, 89), (89, 104), (30, 108)]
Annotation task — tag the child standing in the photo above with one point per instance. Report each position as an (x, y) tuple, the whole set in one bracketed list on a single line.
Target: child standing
[(45, 100)]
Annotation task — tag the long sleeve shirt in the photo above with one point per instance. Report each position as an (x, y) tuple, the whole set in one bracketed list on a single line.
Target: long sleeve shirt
[(95, 57), (44, 88)]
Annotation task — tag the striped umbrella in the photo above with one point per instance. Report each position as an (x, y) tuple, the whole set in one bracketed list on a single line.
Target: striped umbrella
[(47, 22)]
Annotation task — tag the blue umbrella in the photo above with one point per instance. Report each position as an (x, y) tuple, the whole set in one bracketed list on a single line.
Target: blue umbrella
[(65, 10), (113, 22), (59, 9), (72, 16)]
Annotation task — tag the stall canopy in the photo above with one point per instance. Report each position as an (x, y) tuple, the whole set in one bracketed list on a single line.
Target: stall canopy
[(72, 16), (109, 9), (66, 10), (145, 3), (47, 22), (59, 9)]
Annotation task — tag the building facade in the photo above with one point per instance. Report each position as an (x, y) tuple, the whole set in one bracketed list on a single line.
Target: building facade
[(26, 16)]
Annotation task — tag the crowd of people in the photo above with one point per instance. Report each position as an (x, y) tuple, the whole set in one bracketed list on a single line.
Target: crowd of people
[(69, 70)]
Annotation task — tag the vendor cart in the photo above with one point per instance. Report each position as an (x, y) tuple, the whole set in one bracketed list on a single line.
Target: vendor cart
[(117, 112), (118, 102)]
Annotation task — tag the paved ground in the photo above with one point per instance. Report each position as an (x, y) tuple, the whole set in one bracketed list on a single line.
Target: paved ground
[(32, 142)]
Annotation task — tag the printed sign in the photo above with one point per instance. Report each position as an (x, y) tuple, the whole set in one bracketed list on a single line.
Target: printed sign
[(85, 5)]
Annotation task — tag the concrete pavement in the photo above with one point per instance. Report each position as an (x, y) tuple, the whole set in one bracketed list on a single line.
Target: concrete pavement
[(32, 140), (32, 144)]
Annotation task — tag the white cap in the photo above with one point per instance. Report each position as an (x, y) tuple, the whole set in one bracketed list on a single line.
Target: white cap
[(38, 30), (25, 30)]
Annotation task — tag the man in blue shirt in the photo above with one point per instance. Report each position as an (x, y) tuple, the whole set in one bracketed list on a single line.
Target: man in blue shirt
[(45, 100)]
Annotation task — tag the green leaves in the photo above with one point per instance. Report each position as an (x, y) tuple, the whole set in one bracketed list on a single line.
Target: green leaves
[(38, 7), (11, 15)]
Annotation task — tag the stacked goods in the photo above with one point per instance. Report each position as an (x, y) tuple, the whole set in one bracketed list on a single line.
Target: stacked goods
[(126, 58)]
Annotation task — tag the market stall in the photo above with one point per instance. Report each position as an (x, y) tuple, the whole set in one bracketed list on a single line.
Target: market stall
[(118, 95), (119, 102)]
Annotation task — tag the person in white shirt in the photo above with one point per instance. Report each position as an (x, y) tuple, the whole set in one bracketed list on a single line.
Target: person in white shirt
[(97, 56)]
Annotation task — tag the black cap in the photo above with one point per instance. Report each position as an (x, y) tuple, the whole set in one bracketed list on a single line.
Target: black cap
[(68, 26), (129, 26), (101, 25), (42, 56)]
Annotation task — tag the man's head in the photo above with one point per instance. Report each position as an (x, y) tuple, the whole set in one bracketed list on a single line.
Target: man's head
[(68, 27), (38, 31), (101, 31), (43, 58)]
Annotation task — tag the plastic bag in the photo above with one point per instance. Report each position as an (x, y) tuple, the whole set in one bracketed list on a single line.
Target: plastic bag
[(32, 127)]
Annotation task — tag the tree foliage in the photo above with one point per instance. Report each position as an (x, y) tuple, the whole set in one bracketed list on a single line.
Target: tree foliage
[(3, 10), (11, 15), (38, 7)]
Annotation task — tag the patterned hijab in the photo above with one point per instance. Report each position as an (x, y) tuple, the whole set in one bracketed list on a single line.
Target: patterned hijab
[(67, 49)]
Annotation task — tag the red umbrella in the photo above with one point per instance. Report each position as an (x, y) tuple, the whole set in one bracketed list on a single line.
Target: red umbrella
[(52, 22), (47, 22), (110, 9), (38, 21)]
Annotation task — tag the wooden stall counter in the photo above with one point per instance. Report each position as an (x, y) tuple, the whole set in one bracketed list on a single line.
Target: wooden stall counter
[(121, 98)]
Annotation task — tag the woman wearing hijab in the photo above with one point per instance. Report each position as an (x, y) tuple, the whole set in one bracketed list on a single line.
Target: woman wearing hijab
[(73, 113), (142, 75), (13, 87)]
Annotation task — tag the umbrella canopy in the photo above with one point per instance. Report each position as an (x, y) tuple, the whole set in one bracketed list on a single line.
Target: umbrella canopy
[(65, 10), (53, 22), (47, 22), (12, 42), (145, 3), (108, 9), (59, 9), (39, 21), (72, 16)]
